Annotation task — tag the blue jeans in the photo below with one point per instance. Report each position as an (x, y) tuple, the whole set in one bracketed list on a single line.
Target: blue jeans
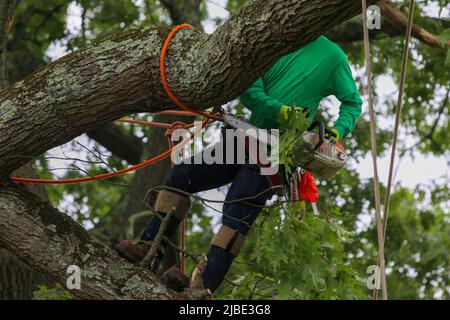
[(246, 181)]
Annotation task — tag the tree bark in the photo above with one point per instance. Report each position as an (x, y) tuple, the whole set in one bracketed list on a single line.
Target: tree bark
[(120, 75), (50, 241), (17, 280)]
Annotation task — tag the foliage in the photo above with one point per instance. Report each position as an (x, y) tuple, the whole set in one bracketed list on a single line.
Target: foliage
[(56, 293), (290, 131), (300, 256)]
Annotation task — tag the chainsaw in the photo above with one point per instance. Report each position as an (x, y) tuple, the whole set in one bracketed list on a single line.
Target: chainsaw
[(318, 154), (315, 152)]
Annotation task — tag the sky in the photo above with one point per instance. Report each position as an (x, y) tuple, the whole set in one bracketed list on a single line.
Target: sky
[(413, 171)]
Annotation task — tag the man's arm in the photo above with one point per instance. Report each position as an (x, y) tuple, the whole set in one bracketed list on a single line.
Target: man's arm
[(345, 90), (261, 105)]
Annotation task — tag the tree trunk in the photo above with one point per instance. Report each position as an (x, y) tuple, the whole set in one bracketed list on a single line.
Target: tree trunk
[(50, 241), (116, 77)]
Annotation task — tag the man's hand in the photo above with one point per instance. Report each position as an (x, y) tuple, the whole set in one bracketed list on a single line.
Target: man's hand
[(291, 116), (334, 135)]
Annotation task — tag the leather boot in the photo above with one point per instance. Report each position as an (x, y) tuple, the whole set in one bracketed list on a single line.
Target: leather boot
[(174, 279), (133, 251)]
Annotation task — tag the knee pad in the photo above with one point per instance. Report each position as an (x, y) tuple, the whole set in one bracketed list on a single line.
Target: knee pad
[(229, 240)]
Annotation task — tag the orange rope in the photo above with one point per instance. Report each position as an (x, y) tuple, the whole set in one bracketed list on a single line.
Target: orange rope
[(179, 113), (162, 68), (144, 164), (188, 112)]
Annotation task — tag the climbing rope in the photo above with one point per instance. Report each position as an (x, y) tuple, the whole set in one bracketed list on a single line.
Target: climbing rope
[(398, 112), (382, 221), (397, 117), (162, 68), (373, 142), (144, 164), (187, 112)]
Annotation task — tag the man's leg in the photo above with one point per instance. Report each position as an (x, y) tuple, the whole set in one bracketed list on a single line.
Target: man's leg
[(191, 178), (238, 217), (186, 177)]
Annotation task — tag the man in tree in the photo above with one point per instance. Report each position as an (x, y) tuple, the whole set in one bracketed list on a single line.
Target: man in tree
[(302, 78)]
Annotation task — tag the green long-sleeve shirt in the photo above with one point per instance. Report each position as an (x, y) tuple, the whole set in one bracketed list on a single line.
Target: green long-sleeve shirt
[(303, 78)]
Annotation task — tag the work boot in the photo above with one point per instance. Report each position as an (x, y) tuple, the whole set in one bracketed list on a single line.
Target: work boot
[(174, 279), (133, 252)]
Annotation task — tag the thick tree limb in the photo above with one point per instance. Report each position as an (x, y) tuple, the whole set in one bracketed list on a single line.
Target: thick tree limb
[(120, 74), (351, 31), (393, 24), (399, 20), (50, 241)]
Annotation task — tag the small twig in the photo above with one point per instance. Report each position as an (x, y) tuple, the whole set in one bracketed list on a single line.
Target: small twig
[(151, 254), (49, 158), (100, 180), (98, 156)]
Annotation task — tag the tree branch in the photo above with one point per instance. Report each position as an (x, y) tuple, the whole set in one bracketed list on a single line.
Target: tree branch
[(352, 30), (28, 225), (399, 20)]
